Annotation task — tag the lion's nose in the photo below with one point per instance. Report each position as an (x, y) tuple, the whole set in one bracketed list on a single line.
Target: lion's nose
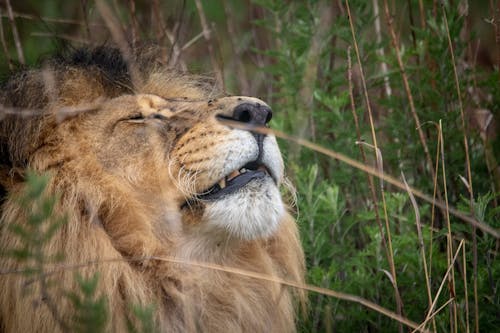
[(252, 113)]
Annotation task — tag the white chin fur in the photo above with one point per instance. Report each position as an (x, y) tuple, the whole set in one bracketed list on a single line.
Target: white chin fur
[(251, 213)]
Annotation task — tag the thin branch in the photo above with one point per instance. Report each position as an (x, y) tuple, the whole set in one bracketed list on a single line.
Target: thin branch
[(211, 50), (119, 38), (380, 50), (306, 93), (62, 36), (4, 44), (15, 34), (51, 19), (238, 57)]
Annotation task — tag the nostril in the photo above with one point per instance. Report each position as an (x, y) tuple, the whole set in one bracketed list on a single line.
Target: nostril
[(251, 113), (269, 116), (243, 116)]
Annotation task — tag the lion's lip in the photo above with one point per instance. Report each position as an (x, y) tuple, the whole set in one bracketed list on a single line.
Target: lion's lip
[(234, 181)]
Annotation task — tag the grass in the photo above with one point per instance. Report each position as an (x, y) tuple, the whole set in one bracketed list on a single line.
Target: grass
[(363, 93)]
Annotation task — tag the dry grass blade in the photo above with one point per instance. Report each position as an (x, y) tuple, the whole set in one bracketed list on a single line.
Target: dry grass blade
[(4, 43), (433, 315), (389, 251), (406, 85), (51, 19), (310, 74), (67, 37), (445, 277), (237, 271), (370, 170), (119, 38), (421, 244), (15, 33), (467, 161), (208, 37)]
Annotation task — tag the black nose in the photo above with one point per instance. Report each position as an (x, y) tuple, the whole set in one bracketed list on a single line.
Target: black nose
[(252, 113)]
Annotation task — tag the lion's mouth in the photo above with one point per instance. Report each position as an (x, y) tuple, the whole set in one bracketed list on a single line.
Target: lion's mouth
[(233, 182)]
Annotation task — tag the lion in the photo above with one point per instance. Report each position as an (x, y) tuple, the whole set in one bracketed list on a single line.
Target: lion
[(145, 168)]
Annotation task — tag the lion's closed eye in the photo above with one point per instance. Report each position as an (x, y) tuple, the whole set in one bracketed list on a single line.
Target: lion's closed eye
[(134, 118)]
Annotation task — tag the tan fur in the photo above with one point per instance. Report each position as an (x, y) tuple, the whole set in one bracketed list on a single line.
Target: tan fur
[(121, 184)]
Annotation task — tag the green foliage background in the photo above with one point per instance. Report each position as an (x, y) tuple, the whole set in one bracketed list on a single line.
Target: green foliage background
[(266, 48)]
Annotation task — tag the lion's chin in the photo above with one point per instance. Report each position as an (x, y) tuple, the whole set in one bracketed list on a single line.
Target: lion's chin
[(251, 213)]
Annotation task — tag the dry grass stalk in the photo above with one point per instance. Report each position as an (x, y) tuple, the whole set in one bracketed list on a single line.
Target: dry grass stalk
[(51, 19), (15, 34), (406, 85), (119, 38), (370, 170), (380, 50), (70, 38), (4, 43), (84, 4), (371, 183), (449, 272), (134, 29), (464, 264), (161, 38), (211, 50), (449, 247), (420, 244), (389, 251), (424, 323), (310, 75), (239, 66), (237, 271), (467, 161)]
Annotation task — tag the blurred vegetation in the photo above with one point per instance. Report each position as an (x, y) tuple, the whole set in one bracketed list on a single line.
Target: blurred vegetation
[(300, 56)]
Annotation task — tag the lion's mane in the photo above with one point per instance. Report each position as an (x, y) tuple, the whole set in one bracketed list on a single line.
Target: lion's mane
[(106, 221)]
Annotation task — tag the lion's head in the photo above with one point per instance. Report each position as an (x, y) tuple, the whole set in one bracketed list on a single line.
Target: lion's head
[(145, 167)]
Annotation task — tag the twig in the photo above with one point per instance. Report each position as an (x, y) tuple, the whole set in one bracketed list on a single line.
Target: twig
[(175, 53), (51, 19), (119, 38), (62, 36), (15, 34), (174, 38), (84, 4), (380, 50), (4, 44), (133, 22), (319, 39), (207, 35), (160, 30), (237, 58)]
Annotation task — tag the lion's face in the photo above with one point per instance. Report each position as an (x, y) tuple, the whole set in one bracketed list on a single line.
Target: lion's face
[(220, 179)]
